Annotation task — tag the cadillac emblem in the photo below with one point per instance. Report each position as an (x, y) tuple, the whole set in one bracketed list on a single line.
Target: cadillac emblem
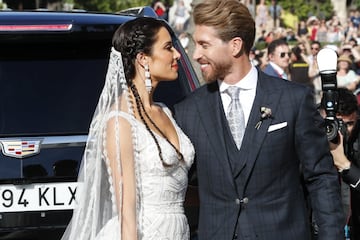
[(20, 148)]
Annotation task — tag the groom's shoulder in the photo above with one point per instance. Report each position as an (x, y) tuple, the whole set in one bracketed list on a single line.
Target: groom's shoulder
[(277, 83), (201, 92), (191, 99)]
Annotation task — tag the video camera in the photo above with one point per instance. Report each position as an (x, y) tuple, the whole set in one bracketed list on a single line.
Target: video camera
[(327, 62)]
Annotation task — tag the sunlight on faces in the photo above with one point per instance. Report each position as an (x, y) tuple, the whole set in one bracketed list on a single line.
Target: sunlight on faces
[(280, 56), (350, 121), (213, 55), (343, 65), (315, 48), (163, 60)]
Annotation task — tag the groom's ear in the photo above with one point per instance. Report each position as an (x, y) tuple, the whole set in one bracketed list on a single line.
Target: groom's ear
[(236, 46)]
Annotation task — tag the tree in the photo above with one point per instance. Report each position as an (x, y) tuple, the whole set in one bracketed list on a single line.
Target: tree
[(322, 9), (109, 5), (355, 4)]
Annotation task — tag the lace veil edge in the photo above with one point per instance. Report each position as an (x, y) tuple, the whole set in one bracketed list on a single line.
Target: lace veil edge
[(100, 192)]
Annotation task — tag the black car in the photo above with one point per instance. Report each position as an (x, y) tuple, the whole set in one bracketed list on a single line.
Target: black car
[(52, 69)]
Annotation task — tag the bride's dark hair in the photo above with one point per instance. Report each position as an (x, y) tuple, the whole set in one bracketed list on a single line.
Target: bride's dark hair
[(133, 37)]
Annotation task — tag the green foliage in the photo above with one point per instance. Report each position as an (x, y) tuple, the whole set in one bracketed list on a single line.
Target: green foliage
[(109, 5), (302, 8), (355, 4), (305, 8), (133, 3)]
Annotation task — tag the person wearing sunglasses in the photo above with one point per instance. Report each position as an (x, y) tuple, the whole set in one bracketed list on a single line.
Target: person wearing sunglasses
[(314, 75), (279, 59)]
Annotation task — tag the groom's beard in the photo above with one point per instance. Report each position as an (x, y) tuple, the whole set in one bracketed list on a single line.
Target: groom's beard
[(218, 70)]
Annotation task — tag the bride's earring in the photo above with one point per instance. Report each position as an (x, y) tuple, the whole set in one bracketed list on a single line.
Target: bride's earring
[(147, 79)]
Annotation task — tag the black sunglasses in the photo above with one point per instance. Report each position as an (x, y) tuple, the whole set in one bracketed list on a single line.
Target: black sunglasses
[(283, 54)]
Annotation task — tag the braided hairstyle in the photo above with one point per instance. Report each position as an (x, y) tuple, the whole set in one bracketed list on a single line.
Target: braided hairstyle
[(131, 38)]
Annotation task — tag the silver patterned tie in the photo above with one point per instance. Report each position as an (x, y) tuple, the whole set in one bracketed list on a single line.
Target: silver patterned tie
[(235, 116)]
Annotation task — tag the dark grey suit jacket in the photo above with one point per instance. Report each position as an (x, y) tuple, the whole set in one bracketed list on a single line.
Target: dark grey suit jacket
[(258, 189), (269, 70)]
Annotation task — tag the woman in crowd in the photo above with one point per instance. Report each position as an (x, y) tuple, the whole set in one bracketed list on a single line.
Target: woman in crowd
[(346, 77)]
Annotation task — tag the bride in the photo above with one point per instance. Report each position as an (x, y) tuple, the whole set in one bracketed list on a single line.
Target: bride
[(135, 165)]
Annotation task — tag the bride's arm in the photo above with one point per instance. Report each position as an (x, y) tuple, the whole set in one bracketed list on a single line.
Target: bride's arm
[(123, 174)]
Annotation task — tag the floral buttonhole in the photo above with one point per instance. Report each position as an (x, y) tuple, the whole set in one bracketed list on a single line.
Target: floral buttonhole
[(265, 114)]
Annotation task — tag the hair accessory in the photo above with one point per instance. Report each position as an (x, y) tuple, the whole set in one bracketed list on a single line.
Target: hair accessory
[(147, 79)]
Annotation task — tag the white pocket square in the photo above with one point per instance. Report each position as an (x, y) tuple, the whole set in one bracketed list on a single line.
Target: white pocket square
[(277, 126)]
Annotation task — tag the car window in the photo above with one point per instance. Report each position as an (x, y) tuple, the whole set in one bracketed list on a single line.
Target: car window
[(50, 88)]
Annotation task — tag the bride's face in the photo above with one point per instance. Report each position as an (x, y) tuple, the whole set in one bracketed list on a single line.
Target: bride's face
[(163, 64)]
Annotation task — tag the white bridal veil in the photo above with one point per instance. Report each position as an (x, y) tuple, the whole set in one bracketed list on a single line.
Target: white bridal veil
[(101, 193)]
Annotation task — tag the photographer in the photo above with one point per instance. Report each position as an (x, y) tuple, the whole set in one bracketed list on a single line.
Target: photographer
[(346, 154)]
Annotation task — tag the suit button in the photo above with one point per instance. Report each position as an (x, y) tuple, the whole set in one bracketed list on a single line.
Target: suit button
[(235, 236), (245, 200)]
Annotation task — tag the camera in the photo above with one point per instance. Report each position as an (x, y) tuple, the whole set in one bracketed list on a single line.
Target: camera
[(329, 102), (333, 127), (330, 97)]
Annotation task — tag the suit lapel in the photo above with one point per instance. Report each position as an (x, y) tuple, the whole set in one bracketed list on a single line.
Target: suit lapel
[(210, 109), (266, 96)]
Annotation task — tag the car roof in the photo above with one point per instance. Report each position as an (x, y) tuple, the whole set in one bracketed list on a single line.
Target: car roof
[(76, 17)]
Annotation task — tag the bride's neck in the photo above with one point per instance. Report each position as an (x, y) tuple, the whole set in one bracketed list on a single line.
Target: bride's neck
[(145, 97)]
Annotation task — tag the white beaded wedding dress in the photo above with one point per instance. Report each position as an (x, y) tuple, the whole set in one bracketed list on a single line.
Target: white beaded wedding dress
[(161, 190), (160, 184)]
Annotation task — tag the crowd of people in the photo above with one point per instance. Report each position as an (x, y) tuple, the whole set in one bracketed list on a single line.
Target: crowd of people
[(291, 54), (178, 15), (304, 40), (300, 65)]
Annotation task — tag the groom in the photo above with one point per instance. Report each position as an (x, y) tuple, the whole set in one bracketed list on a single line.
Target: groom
[(253, 190)]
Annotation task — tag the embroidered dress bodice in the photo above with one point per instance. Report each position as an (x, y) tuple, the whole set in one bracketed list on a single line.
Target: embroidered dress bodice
[(160, 189)]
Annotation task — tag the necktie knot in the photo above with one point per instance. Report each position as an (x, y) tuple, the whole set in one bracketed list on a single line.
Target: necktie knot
[(233, 92)]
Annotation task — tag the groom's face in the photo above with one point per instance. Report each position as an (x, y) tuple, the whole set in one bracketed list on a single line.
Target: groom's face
[(213, 54)]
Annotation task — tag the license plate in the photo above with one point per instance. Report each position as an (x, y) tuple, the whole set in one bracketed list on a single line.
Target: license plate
[(38, 197)]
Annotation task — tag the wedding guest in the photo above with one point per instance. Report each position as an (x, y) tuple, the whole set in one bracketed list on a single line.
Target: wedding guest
[(279, 59)]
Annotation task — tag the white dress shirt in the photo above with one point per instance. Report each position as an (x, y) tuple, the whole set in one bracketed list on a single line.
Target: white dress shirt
[(279, 70), (247, 93)]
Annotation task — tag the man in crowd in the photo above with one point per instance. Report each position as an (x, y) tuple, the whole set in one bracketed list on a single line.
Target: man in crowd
[(314, 75), (279, 59), (346, 155)]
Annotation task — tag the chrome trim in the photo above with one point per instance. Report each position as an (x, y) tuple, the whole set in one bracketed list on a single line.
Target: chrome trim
[(64, 141)]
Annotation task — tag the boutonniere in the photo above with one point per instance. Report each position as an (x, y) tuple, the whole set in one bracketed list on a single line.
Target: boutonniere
[(265, 114)]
